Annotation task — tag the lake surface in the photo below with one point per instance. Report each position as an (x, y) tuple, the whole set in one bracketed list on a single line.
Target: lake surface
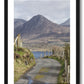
[(38, 54)]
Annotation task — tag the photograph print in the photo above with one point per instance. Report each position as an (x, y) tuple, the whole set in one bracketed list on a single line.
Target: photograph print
[(41, 41)]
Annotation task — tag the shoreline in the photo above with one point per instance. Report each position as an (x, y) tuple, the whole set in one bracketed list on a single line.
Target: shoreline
[(40, 50)]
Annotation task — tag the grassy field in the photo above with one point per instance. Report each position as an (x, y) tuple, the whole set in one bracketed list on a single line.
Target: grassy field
[(20, 67)]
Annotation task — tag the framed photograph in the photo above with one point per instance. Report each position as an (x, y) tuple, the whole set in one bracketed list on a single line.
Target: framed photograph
[(42, 45)]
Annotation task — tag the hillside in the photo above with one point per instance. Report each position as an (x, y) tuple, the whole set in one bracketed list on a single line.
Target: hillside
[(18, 23), (23, 61), (66, 23), (40, 29)]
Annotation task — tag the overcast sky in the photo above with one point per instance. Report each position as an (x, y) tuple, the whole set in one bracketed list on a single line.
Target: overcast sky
[(55, 10)]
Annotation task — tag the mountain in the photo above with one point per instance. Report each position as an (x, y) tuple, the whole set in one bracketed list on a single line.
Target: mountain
[(66, 23), (18, 22), (39, 28)]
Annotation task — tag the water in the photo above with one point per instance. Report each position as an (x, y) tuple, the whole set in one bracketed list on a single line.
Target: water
[(30, 81), (38, 54)]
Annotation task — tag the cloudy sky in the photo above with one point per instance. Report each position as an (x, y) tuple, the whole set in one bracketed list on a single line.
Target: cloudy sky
[(55, 10)]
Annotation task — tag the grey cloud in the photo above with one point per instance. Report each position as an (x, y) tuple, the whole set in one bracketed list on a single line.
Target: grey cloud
[(55, 10)]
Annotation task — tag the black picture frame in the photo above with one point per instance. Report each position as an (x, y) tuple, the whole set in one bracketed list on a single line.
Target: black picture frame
[(6, 41), (77, 41)]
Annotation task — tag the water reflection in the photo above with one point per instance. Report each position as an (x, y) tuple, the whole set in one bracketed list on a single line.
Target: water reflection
[(30, 81)]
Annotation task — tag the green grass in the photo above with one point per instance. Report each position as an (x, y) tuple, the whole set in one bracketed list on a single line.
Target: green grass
[(20, 68), (20, 53), (43, 70), (19, 64), (37, 77)]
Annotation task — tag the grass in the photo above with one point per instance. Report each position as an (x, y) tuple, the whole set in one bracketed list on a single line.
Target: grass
[(19, 64), (43, 70), (20, 53), (60, 78), (20, 68), (37, 77)]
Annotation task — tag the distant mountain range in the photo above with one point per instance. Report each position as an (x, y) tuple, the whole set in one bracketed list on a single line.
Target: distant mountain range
[(39, 28), (66, 23), (18, 22)]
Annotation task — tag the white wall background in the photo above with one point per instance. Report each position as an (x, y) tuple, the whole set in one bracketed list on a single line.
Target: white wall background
[(2, 43)]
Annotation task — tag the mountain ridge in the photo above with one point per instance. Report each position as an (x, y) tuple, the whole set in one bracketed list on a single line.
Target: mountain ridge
[(66, 23), (18, 22), (39, 27)]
